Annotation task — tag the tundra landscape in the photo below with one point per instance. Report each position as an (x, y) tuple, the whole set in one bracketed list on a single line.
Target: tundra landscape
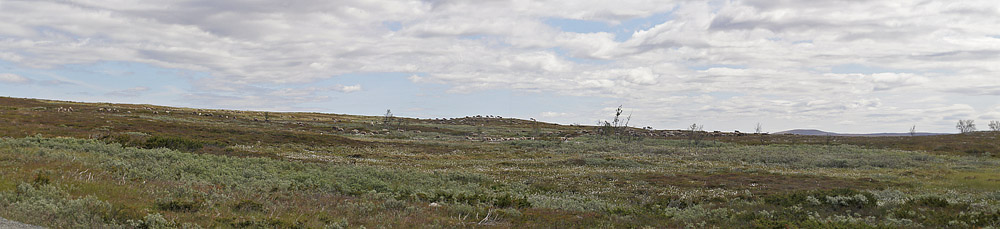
[(102, 165), (499, 114)]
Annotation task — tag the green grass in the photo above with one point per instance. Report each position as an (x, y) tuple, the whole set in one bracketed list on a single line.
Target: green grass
[(148, 168)]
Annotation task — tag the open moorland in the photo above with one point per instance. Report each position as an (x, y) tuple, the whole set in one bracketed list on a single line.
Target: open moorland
[(100, 165)]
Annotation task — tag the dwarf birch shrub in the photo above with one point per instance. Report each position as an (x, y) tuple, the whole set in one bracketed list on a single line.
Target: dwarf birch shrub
[(804, 156), (50, 206), (256, 174)]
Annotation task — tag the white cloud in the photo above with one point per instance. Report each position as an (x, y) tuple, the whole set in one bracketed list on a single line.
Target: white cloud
[(745, 58), (13, 78), (348, 89), (416, 78), (889, 81), (552, 114)]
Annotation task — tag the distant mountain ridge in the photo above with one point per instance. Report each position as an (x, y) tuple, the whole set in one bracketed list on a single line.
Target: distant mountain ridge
[(815, 132)]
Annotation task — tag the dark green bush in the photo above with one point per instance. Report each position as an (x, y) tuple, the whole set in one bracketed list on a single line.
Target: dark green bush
[(508, 201), (123, 139), (259, 223), (930, 201), (43, 177), (178, 205), (180, 144), (835, 163), (937, 212), (248, 206)]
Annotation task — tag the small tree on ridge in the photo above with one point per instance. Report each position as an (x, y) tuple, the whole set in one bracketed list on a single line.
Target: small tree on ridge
[(966, 126)]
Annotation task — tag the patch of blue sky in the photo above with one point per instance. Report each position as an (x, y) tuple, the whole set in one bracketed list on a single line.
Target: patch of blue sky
[(590, 61), (578, 26), (99, 82), (392, 25), (623, 31), (105, 81), (381, 91)]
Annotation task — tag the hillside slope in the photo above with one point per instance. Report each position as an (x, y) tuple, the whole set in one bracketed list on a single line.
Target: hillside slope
[(98, 165), (814, 132)]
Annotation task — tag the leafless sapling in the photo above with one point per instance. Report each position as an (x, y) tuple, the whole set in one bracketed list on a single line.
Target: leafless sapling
[(995, 125), (617, 123), (387, 119), (535, 128), (617, 127), (759, 131), (694, 133)]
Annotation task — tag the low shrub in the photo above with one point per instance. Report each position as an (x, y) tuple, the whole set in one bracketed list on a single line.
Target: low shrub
[(929, 201), (248, 206), (175, 143), (509, 201), (48, 205), (836, 198), (394, 205), (178, 205), (43, 177), (154, 220), (182, 199)]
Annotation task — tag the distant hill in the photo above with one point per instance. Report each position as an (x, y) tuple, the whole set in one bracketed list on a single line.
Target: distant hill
[(806, 132), (824, 133)]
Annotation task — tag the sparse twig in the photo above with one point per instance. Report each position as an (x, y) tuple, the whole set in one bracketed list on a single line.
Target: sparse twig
[(487, 218)]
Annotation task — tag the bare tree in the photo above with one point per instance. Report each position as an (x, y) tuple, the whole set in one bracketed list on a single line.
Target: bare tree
[(759, 131), (966, 126), (619, 123), (387, 119), (618, 115), (618, 126), (995, 125), (535, 129), (695, 134), (913, 131)]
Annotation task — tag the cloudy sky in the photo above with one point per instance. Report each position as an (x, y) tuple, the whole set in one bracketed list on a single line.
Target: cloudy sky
[(837, 65)]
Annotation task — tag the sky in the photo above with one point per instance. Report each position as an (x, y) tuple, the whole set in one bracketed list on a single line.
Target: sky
[(851, 66)]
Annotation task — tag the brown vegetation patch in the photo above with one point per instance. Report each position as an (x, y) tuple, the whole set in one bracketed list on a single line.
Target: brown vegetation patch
[(557, 218), (761, 183), (974, 144)]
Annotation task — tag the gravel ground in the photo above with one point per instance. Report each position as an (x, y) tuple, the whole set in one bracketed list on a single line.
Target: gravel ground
[(7, 224)]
